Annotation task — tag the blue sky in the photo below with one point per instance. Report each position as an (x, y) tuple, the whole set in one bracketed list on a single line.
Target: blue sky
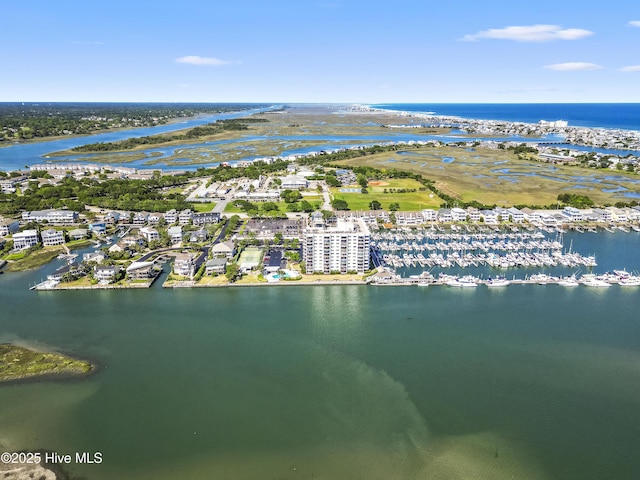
[(320, 51)]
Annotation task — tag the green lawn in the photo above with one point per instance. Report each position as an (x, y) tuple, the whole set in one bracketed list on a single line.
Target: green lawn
[(203, 207), (410, 201)]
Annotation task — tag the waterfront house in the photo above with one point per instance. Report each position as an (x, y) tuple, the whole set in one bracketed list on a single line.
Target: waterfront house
[(473, 214), (444, 215), (175, 234), (602, 215), (490, 217), (215, 266), (184, 264), (223, 249), (573, 214), (8, 227), (25, 239), (515, 215), (140, 218), (429, 215), (458, 214), (106, 273), (69, 271), (51, 237), (99, 228), (140, 270), (96, 257), (132, 240), (618, 214), (154, 218), (78, 233)]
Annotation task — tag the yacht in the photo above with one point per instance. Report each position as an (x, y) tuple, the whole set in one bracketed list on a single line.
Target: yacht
[(568, 282), (498, 282), (593, 281)]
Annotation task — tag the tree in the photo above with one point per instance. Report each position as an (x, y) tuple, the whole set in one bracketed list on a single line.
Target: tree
[(339, 204), (362, 181), (232, 271), (394, 207), (375, 205)]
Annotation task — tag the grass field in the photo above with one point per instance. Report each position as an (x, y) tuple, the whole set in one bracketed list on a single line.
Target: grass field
[(409, 201), (500, 177), (34, 259)]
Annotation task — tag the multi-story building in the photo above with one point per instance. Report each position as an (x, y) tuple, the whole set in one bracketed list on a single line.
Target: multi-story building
[(7, 227), (25, 239), (150, 234), (184, 264), (53, 217), (51, 237), (343, 248)]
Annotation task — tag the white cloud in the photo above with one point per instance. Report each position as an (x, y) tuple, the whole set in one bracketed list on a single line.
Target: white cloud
[(204, 61), (634, 23), (573, 66), (530, 33), (631, 68)]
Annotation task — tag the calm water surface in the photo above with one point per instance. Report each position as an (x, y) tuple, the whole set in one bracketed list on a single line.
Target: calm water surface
[(340, 382)]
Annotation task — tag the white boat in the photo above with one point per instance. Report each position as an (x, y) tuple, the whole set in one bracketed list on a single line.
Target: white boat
[(595, 282), (498, 282), (463, 282), (568, 282), (629, 282)]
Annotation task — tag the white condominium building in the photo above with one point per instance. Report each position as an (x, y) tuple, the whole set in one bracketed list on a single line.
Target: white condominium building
[(343, 248)]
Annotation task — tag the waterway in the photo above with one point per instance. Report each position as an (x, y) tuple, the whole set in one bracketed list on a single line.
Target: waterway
[(337, 382)]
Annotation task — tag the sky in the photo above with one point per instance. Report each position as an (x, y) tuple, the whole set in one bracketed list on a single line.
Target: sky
[(320, 51)]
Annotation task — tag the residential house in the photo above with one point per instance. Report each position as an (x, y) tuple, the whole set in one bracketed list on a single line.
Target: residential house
[(96, 257), (215, 266), (171, 217), (205, 218), (51, 237), (25, 239), (184, 264), (71, 270), (140, 218), (175, 234), (198, 236), (106, 273), (99, 228), (141, 271), (429, 215), (473, 214), (458, 214), (185, 216), (572, 214), (78, 233), (515, 215), (490, 217), (154, 218), (150, 234), (111, 218), (8, 227), (444, 215), (224, 249)]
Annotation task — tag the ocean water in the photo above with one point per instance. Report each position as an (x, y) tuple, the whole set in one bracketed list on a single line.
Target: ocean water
[(597, 115), (337, 382)]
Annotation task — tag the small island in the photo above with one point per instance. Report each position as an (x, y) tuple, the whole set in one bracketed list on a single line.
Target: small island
[(19, 363)]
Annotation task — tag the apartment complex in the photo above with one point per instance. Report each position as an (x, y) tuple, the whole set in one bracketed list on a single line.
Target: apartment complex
[(341, 248)]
